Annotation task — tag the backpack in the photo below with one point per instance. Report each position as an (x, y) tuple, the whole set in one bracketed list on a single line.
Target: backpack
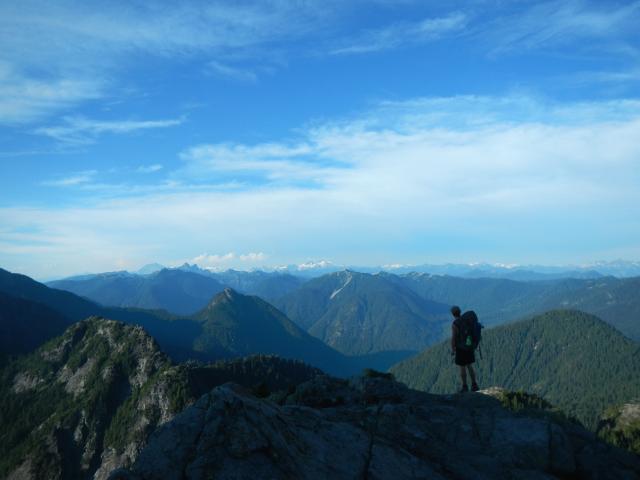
[(469, 331)]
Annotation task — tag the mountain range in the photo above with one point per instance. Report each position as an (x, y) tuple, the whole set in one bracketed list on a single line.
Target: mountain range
[(498, 301), (230, 325), (364, 314), (183, 290), (176, 291), (572, 359), (617, 268)]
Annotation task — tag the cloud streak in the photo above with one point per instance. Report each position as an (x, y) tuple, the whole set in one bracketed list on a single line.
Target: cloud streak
[(78, 178), (402, 34), (24, 99), (81, 130), (563, 22)]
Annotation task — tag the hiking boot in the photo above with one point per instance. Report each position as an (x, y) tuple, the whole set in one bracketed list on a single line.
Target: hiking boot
[(474, 387), (464, 389)]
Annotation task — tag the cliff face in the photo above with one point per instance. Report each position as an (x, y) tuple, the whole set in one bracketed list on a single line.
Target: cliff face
[(371, 427)]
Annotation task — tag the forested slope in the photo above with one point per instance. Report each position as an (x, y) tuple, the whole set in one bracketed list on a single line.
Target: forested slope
[(572, 359)]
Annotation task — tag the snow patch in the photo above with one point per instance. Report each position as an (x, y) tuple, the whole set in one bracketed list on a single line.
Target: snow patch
[(336, 292)]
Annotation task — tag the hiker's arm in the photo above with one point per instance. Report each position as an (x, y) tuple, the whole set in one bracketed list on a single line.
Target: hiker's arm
[(454, 334)]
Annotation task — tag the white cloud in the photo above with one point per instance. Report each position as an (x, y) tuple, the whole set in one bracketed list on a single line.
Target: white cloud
[(253, 257), (81, 130), (399, 34), (218, 262), (554, 184), (206, 260)]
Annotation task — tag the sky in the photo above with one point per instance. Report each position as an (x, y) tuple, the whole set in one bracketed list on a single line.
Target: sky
[(251, 134)]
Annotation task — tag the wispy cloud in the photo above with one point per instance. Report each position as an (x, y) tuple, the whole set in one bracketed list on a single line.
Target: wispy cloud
[(235, 73), (274, 162), (78, 51), (75, 179), (607, 77), (405, 33), (81, 130), (24, 99), (156, 167), (561, 22)]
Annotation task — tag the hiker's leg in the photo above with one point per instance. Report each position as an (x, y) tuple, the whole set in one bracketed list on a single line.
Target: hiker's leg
[(463, 375), (472, 373)]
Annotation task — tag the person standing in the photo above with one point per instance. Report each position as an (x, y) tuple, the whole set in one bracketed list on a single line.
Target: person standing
[(464, 354)]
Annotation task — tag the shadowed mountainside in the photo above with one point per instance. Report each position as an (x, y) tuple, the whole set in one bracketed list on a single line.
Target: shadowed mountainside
[(175, 291)]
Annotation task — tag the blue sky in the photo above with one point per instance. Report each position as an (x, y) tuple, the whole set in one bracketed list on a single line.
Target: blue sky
[(249, 134)]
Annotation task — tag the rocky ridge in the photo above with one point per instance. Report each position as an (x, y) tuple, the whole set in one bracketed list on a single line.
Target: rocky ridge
[(371, 427)]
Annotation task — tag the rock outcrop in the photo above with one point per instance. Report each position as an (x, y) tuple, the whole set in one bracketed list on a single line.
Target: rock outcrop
[(371, 427)]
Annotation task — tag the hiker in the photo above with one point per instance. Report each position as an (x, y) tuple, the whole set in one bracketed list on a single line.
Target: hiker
[(463, 350)]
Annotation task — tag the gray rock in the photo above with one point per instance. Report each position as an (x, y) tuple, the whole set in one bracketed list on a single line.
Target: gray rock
[(370, 428)]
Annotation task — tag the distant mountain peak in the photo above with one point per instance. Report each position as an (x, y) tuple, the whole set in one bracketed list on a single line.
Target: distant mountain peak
[(225, 296), (150, 268)]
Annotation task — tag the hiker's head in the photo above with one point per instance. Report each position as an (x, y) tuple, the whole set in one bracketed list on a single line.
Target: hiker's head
[(455, 311)]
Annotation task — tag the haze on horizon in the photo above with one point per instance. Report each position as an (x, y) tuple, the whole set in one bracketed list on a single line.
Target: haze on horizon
[(365, 133)]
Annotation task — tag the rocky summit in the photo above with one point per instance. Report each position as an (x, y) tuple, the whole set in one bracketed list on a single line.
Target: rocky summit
[(371, 427)]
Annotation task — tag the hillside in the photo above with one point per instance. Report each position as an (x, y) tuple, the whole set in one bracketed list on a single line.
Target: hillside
[(498, 301), (572, 359), (235, 325), (86, 402), (25, 325), (358, 313), (66, 303), (173, 290)]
